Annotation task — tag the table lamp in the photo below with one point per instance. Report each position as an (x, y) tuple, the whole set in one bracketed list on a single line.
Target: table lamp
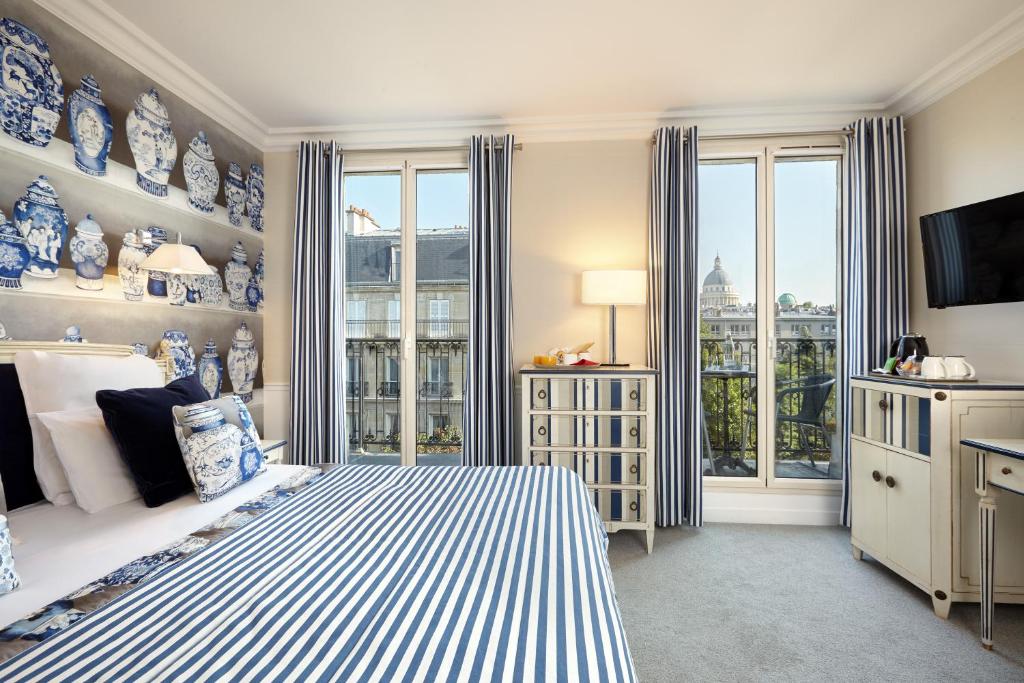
[(614, 288), (177, 259)]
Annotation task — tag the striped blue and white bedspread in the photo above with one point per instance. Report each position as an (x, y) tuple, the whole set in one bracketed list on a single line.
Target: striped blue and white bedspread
[(373, 573)]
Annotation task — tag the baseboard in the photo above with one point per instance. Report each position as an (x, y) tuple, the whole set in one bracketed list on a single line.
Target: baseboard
[(771, 508)]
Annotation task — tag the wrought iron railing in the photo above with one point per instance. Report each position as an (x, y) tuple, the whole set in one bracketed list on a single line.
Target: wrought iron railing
[(391, 329)]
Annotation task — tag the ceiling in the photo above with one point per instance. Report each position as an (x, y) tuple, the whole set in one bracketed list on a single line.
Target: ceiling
[(310, 64)]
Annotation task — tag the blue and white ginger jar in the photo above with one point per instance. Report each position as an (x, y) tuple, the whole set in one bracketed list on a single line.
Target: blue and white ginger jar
[(236, 276), (91, 128), (259, 271), (211, 288), (254, 196), (243, 361), (44, 225), (129, 266), (211, 370), (175, 347), (14, 254), (234, 194), (201, 177), (152, 143), (73, 335), (156, 284), (31, 89), (89, 254)]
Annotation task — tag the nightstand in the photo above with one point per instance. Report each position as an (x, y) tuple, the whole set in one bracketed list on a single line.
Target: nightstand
[(274, 450)]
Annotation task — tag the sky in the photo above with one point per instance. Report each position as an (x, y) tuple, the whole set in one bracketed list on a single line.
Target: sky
[(805, 227), (442, 198)]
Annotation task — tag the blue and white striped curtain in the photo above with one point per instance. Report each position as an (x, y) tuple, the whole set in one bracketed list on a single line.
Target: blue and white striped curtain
[(487, 419), (673, 331), (318, 291), (874, 253)]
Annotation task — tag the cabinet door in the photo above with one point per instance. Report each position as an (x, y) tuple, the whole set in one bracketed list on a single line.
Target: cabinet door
[(908, 514), (867, 496)]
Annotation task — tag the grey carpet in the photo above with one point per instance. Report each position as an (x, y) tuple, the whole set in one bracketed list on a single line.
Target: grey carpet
[(736, 602)]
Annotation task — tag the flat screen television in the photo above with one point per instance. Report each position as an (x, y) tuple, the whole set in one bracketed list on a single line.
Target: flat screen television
[(975, 254)]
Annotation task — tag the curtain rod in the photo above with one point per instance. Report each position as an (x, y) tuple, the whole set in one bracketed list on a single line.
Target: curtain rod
[(780, 134), (408, 150)]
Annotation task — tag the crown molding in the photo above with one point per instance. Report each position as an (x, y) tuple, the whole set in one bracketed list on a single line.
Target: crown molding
[(979, 55), (101, 23)]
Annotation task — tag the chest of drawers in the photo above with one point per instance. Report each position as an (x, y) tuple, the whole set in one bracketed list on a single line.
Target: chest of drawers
[(600, 424)]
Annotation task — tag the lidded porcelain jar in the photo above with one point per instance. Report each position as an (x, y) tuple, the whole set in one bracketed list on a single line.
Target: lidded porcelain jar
[(201, 177), (211, 370), (243, 361), (254, 196), (31, 89), (202, 417), (44, 225), (258, 272), (152, 143), (174, 346), (236, 277), (90, 126), (156, 283), (14, 254), (234, 193), (89, 254), (129, 262)]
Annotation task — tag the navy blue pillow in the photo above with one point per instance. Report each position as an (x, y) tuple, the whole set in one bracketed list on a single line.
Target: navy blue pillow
[(142, 425), (17, 473)]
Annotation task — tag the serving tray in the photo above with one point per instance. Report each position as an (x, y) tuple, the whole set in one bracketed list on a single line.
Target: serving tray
[(931, 380)]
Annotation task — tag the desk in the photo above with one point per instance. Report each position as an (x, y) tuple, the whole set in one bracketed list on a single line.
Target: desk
[(999, 466)]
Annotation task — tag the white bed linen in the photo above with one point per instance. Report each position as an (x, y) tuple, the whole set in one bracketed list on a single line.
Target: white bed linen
[(59, 549)]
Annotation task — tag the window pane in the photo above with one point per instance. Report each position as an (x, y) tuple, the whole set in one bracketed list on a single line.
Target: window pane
[(373, 316), (727, 262), (806, 225), (442, 313)]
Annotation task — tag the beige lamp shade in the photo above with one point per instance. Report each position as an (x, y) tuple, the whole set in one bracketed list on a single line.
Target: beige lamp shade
[(615, 287), (178, 259)]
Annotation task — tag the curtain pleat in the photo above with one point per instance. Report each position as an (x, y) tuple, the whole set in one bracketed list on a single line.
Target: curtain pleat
[(318, 330), (874, 258), (487, 420), (673, 326)]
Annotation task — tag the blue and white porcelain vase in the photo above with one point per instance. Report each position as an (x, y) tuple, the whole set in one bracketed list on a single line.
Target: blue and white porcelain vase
[(73, 335), (211, 288), (129, 262), (236, 277), (175, 347), (90, 126), (14, 254), (31, 89), (140, 349), (89, 254), (177, 289), (234, 194), (243, 360), (44, 225), (254, 196), (201, 177), (193, 291), (258, 272), (156, 283), (211, 370), (152, 143), (252, 294), (3, 333)]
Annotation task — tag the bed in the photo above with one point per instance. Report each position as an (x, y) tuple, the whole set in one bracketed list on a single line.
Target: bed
[(362, 572)]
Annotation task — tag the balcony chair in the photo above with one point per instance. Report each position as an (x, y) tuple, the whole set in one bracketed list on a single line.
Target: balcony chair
[(813, 392)]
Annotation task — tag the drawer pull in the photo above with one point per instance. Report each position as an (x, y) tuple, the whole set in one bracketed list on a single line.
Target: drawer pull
[(541, 462), (633, 431), (542, 430), (633, 506), (876, 475), (634, 395), (890, 482), (633, 469), (1007, 470), (542, 394), (883, 404)]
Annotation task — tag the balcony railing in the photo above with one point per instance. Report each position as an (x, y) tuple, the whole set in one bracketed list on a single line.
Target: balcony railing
[(391, 329)]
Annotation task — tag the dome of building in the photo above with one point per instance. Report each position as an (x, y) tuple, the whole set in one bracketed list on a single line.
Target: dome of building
[(718, 290), (717, 276), (787, 300)]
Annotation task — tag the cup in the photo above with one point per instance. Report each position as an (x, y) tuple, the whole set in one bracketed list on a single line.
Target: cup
[(958, 368), (932, 367), (569, 358)]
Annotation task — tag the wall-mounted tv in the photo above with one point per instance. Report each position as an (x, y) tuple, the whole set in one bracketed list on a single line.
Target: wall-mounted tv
[(975, 254)]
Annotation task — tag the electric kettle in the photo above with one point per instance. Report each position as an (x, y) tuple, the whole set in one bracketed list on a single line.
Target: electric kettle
[(909, 345)]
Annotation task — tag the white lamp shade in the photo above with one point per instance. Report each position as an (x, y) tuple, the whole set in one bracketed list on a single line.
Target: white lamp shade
[(615, 287), (179, 259)]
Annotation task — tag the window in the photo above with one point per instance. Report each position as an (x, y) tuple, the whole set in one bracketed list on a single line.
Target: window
[(355, 317), (394, 318), (395, 274), (768, 226), (353, 379), (438, 423), (439, 312)]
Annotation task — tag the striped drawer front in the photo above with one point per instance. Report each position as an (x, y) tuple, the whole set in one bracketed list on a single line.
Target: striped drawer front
[(892, 419), (607, 468), (573, 393), (627, 505), (599, 431)]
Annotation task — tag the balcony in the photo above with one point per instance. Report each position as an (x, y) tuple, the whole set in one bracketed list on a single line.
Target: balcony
[(391, 329)]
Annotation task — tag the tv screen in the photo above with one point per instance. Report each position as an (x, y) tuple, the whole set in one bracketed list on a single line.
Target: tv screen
[(975, 254)]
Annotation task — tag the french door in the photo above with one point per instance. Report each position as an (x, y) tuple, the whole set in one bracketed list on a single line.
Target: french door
[(407, 303), (768, 262)]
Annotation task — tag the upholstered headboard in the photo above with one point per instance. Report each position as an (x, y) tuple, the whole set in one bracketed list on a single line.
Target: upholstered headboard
[(9, 348)]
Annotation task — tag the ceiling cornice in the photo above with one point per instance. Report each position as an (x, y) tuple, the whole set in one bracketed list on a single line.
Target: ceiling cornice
[(98, 21), (979, 55), (103, 24)]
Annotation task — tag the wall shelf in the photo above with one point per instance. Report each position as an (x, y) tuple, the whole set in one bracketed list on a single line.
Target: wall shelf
[(63, 287), (21, 163)]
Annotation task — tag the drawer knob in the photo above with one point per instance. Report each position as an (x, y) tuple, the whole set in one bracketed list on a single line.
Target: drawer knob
[(633, 469), (633, 506), (542, 430), (633, 431), (876, 475), (542, 394), (883, 404), (1007, 470), (890, 482), (634, 395), (541, 462)]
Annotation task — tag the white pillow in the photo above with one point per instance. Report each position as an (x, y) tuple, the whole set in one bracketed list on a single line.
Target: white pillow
[(54, 382), (95, 471)]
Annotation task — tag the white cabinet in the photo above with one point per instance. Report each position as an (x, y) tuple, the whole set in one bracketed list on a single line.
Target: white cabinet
[(914, 507), (600, 424)]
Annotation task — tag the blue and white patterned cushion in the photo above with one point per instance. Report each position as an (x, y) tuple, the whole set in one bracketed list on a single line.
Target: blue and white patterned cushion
[(9, 579), (215, 451)]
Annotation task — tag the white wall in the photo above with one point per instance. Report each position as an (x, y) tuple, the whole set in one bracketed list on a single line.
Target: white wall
[(967, 147)]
